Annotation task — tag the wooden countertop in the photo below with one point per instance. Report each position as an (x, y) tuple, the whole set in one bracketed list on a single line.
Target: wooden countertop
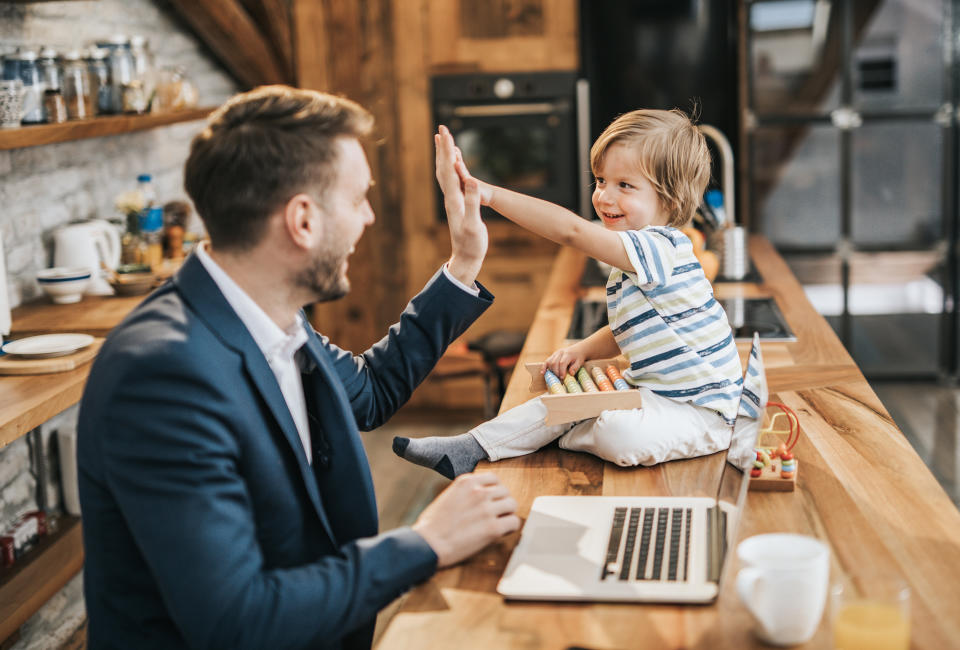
[(94, 315), (861, 488), (28, 401)]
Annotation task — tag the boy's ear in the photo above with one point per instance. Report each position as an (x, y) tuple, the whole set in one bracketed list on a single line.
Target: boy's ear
[(302, 219)]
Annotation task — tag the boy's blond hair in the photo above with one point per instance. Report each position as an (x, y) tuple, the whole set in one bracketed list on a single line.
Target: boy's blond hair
[(671, 153)]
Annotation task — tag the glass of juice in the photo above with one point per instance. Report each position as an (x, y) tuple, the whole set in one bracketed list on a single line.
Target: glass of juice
[(871, 611)]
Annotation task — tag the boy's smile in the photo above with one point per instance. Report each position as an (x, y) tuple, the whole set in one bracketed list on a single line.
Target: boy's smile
[(623, 197)]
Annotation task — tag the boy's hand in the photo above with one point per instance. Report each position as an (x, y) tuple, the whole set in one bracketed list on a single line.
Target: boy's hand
[(565, 361), (468, 233), (485, 189)]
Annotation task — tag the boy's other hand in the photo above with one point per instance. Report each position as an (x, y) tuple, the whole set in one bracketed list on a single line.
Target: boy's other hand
[(461, 200), (565, 361)]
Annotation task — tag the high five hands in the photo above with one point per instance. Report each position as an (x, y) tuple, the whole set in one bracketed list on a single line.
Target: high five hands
[(461, 200)]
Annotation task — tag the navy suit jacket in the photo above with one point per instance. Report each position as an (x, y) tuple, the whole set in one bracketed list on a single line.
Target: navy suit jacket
[(204, 525)]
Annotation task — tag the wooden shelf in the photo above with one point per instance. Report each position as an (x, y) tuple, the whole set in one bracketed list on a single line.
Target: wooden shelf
[(32, 136), (39, 574)]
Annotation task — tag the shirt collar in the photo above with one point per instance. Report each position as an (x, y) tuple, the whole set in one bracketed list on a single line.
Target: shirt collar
[(273, 342)]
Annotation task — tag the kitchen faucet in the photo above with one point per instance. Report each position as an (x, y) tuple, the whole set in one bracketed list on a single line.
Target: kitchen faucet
[(726, 157)]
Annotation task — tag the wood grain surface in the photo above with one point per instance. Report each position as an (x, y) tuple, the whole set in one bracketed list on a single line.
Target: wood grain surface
[(94, 315), (863, 490), (12, 365)]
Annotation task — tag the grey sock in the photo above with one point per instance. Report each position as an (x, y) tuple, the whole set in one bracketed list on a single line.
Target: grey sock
[(449, 455)]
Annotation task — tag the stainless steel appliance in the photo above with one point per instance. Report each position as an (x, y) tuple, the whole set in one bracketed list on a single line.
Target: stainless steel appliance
[(516, 130)]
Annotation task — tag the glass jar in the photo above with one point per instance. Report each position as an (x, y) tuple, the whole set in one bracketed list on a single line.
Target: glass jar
[(96, 59), (49, 68), (120, 63), (54, 108), (143, 66), (77, 90), (134, 97), (32, 87)]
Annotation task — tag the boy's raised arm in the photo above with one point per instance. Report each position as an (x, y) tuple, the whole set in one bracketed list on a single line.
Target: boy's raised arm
[(546, 219)]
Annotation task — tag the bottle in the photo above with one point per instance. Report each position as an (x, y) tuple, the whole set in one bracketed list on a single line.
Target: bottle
[(147, 191), (714, 199), (151, 237)]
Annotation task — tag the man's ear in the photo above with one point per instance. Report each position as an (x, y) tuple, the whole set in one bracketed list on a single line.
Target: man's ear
[(301, 219)]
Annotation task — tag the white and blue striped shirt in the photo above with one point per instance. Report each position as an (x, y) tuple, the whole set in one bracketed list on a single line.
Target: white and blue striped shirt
[(669, 326)]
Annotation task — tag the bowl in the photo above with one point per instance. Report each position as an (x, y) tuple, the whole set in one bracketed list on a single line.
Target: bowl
[(128, 269), (132, 283), (64, 285)]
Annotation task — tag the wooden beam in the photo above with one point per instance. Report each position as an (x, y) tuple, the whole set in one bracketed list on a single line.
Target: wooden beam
[(226, 27), (274, 19), (309, 44)]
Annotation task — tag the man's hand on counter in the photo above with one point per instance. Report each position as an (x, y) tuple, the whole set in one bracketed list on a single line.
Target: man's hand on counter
[(475, 510)]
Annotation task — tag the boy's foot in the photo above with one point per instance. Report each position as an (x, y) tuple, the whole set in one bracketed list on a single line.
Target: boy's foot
[(448, 455)]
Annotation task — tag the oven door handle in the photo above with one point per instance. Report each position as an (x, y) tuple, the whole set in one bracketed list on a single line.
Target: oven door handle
[(499, 110)]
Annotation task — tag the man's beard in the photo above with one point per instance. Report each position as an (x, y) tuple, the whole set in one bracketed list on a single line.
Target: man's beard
[(322, 277)]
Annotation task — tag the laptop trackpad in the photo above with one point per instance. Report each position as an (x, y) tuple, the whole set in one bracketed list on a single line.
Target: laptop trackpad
[(556, 540)]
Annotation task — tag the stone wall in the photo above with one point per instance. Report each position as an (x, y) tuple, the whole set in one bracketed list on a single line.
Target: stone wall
[(44, 187)]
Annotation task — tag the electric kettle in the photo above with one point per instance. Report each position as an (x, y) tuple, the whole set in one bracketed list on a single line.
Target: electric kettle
[(86, 245)]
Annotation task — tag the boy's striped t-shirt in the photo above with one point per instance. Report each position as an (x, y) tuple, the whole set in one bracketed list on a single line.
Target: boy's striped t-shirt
[(669, 326)]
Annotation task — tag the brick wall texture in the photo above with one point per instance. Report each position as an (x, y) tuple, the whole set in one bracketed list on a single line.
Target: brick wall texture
[(42, 188)]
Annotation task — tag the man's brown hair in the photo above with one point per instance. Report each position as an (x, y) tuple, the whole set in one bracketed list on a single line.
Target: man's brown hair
[(670, 152), (259, 150)]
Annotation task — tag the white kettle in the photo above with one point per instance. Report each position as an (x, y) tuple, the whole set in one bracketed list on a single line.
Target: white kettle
[(86, 245)]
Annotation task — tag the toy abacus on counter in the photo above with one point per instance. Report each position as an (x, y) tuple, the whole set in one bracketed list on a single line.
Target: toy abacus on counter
[(595, 387), (775, 468)]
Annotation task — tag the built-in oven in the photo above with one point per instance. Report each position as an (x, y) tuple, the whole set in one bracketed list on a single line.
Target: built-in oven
[(518, 131)]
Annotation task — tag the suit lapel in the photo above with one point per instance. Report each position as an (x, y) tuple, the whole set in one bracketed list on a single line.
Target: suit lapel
[(353, 513), (203, 295)]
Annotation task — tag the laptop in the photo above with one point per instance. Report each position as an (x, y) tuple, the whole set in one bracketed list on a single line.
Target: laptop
[(641, 549)]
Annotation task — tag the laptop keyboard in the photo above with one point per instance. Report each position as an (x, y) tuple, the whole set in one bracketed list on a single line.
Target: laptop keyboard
[(664, 545)]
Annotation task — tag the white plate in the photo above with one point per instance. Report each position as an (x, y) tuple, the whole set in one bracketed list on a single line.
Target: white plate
[(47, 345)]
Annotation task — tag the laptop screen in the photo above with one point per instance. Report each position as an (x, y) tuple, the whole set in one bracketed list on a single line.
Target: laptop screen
[(735, 478)]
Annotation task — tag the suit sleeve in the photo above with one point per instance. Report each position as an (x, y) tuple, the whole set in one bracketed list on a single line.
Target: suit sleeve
[(381, 380), (169, 458)]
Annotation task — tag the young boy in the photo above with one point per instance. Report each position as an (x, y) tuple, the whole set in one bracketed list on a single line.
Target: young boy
[(651, 168)]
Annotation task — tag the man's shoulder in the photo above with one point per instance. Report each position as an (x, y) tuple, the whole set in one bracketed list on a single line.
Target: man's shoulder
[(161, 328)]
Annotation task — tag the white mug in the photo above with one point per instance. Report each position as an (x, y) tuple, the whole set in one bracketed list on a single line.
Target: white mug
[(783, 583)]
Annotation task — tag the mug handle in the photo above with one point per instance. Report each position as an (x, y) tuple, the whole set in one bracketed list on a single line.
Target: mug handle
[(747, 583)]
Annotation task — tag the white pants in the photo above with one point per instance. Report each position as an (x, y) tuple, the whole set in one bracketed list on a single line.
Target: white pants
[(662, 430)]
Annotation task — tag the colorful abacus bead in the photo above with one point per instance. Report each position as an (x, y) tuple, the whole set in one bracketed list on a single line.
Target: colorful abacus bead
[(571, 383), (618, 381), (602, 382), (788, 467), (585, 382), (554, 385)]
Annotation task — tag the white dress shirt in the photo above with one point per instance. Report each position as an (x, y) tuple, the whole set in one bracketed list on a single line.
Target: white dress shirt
[(277, 345)]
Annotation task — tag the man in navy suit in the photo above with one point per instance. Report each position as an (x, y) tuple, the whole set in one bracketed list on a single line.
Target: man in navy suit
[(227, 501)]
